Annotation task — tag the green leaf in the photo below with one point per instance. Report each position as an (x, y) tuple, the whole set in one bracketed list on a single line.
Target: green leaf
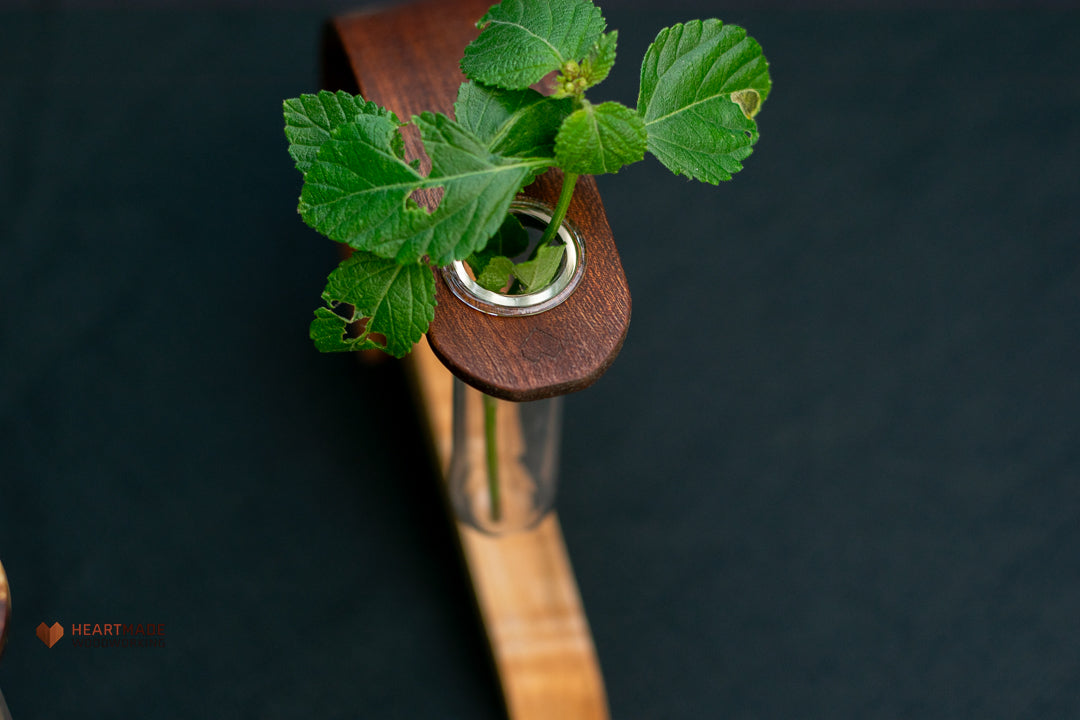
[(523, 40), (601, 59), (509, 240), (600, 139), (479, 187), (310, 120), (496, 273), (512, 123), (695, 98), (536, 273), (329, 332), (393, 305), (357, 191), (575, 78)]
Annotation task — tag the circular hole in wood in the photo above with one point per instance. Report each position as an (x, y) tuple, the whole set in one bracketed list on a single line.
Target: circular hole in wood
[(460, 280)]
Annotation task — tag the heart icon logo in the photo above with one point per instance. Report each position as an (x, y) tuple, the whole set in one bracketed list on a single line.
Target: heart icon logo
[(539, 345), (50, 635)]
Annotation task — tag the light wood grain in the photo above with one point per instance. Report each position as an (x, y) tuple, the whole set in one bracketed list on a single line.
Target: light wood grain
[(526, 591)]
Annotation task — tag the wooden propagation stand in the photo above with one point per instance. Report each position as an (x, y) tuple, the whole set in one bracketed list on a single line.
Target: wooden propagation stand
[(406, 58)]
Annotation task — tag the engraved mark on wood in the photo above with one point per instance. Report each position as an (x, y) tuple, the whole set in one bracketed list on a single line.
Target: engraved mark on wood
[(541, 344)]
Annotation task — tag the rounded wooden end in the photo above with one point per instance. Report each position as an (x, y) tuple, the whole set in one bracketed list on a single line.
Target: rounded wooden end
[(560, 350)]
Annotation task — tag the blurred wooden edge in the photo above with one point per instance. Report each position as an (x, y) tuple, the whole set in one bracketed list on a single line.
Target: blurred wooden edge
[(525, 589), (5, 608)]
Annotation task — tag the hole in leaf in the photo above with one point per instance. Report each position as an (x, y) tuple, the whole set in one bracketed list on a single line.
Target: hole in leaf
[(356, 329), (414, 148), (343, 310), (428, 198)]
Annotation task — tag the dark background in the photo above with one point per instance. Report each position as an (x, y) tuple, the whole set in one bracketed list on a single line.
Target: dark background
[(834, 472)]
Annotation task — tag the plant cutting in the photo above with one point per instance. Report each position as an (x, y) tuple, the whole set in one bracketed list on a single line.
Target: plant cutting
[(522, 111)]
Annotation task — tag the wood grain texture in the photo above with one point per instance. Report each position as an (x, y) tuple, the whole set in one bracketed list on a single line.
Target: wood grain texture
[(406, 58), (525, 589)]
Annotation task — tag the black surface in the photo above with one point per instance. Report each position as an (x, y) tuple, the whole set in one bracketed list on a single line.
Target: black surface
[(834, 472)]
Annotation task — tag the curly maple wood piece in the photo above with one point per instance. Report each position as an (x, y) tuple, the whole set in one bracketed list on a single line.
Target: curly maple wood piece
[(406, 58), (525, 589)]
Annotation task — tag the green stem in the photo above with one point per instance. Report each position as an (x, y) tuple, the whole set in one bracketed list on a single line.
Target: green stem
[(490, 403), (490, 440), (567, 192)]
